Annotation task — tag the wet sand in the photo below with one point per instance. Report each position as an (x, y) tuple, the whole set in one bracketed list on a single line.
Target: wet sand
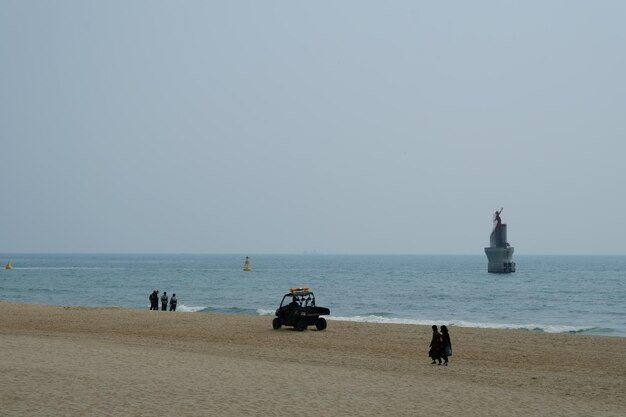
[(74, 361)]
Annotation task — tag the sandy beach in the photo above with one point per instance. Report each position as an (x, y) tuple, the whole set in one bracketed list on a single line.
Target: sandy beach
[(73, 361)]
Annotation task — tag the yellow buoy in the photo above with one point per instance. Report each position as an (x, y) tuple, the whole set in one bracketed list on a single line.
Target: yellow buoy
[(8, 265), (246, 265)]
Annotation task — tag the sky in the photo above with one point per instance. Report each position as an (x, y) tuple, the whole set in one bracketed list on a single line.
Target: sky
[(331, 127)]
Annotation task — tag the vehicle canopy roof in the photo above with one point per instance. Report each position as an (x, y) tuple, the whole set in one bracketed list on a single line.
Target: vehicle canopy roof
[(299, 292)]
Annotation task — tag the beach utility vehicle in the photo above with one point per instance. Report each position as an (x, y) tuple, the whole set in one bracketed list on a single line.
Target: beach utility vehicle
[(298, 309)]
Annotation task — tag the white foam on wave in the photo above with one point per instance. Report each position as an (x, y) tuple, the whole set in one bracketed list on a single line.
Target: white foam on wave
[(189, 309), (548, 328), (264, 312), (384, 320)]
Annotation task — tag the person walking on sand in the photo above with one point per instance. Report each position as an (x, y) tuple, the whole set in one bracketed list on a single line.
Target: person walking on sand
[(435, 346), (173, 302), (164, 301), (446, 344)]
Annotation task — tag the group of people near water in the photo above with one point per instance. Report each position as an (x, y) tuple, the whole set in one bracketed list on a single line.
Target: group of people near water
[(440, 346), (154, 301)]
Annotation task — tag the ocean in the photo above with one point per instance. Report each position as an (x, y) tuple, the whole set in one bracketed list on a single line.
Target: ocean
[(555, 294)]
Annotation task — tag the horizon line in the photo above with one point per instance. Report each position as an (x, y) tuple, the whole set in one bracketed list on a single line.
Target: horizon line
[(308, 253)]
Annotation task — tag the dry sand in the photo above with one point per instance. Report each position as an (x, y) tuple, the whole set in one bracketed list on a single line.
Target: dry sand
[(69, 361)]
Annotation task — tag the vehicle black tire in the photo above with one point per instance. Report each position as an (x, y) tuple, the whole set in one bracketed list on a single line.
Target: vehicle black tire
[(320, 323), (301, 325), (276, 323)]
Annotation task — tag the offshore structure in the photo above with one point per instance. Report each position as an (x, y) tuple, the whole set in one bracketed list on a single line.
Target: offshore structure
[(499, 252)]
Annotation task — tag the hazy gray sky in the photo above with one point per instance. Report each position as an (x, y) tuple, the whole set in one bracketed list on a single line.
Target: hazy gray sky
[(291, 126)]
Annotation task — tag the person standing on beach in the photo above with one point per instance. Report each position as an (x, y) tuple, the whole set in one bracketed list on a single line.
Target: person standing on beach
[(446, 344), (164, 301), (173, 302), (154, 301), (435, 346)]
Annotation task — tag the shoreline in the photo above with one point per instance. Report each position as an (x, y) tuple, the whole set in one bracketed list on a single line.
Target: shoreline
[(119, 361), (532, 328), (550, 295)]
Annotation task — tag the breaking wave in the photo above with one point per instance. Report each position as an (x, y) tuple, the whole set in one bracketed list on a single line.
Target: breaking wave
[(547, 328)]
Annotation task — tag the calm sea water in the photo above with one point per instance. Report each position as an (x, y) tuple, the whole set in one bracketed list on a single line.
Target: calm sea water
[(578, 294)]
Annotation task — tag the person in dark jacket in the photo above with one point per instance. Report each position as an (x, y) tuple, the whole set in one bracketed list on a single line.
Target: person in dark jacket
[(435, 346), (164, 301), (446, 344), (294, 303), (154, 300), (173, 302)]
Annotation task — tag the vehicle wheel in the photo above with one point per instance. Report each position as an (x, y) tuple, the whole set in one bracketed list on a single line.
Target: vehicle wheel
[(301, 325), (276, 323), (320, 323)]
